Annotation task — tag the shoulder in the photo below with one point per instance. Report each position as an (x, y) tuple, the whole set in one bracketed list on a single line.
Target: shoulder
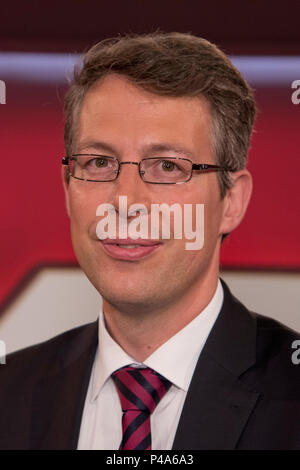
[(268, 330), (30, 363), (257, 345), (273, 335), (277, 356)]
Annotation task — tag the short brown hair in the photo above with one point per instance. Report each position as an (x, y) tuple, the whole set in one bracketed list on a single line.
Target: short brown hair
[(176, 65)]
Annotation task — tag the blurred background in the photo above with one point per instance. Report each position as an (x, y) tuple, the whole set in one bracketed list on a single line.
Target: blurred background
[(42, 290)]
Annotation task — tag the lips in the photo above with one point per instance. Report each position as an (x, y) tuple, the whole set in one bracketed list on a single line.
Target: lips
[(128, 249)]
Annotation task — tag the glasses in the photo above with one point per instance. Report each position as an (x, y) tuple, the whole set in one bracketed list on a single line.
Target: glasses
[(156, 170)]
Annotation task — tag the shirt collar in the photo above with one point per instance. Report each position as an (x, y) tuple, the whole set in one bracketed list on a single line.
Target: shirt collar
[(175, 359)]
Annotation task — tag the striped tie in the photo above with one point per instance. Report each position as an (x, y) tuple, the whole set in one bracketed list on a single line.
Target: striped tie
[(139, 390)]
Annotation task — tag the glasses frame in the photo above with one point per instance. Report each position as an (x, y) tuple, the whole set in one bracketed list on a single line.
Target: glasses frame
[(203, 167)]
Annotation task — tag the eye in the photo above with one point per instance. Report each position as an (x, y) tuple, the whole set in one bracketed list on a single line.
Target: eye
[(169, 166), (100, 162)]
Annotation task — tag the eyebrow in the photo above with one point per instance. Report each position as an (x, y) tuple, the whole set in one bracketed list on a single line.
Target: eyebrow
[(166, 147), (159, 147), (97, 145)]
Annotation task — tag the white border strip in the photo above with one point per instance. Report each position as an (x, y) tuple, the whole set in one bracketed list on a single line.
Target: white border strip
[(58, 68)]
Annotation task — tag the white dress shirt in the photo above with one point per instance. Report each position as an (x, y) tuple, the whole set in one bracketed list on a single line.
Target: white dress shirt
[(176, 360)]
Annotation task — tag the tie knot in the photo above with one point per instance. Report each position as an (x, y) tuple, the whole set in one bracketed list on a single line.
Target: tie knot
[(140, 388)]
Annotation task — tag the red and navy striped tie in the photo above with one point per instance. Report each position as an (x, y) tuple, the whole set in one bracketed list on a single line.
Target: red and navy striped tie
[(139, 390)]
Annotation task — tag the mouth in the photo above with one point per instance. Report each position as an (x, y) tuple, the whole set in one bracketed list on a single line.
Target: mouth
[(129, 249)]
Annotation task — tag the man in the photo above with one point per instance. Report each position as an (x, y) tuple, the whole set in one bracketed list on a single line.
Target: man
[(175, 361)]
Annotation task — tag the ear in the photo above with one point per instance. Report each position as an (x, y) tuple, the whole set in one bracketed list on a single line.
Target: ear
[(65, 183), (236, 201)]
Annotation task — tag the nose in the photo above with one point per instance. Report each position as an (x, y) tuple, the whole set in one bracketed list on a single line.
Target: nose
[(129, 183)]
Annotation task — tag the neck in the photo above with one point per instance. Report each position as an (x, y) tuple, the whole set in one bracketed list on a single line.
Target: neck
[(139, 334)]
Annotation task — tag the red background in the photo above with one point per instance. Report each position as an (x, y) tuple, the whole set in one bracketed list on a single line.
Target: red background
[(34, 228), (34, 224)]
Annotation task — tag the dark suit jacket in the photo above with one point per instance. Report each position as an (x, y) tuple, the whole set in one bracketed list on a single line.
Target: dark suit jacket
[(244, 394)]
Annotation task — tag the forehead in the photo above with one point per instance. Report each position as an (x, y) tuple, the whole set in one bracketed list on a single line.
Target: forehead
[(115, 108)]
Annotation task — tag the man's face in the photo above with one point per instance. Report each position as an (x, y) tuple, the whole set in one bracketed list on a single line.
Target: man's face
[(120, 120)]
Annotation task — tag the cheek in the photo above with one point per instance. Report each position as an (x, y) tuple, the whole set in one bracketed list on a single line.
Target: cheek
[(78, 214), (82, 210), (204, 199), (213, 208)]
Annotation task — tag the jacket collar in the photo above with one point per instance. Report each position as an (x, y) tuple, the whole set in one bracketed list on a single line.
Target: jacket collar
[(218, 403)]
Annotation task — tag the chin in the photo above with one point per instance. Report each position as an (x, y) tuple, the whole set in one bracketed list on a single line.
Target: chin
[(130, 296), (128, 303)]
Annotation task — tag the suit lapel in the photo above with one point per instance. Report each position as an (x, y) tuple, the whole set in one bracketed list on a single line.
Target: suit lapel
[(218, 403), (59, 396)]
